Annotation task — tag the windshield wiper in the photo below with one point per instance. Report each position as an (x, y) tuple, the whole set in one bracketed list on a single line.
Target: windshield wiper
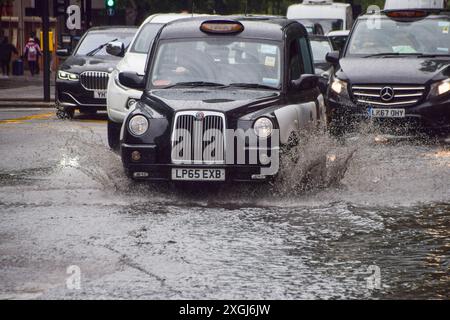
[(433, 55), (252, 86), (195, 84), (391, 54), (100, 47)]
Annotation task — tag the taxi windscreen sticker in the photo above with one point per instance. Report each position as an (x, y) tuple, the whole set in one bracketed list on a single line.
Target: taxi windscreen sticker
[(270, 61), (404, 49), (445, 25), (268, 49)]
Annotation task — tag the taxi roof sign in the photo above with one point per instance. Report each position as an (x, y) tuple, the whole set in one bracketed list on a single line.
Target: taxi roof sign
[(414, 4), (222, 26), (406, 13)]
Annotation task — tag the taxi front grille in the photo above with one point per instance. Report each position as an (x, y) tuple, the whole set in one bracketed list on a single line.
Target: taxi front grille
[(388, 96), (198, 138), (94, 80)]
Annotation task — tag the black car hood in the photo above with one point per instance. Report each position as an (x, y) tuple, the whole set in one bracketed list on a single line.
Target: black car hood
[(78, 64), (222, 100), (409, 70)]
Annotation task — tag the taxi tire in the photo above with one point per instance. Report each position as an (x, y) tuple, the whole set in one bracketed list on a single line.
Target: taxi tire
[(129, 174), (114, 135)]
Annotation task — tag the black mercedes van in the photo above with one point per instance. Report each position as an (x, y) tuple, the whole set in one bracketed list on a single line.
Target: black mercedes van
[(394, 71)]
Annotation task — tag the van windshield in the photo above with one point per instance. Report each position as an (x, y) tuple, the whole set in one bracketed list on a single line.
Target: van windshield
[(222, 61), (327, 24), (426, 36), (145, 38)]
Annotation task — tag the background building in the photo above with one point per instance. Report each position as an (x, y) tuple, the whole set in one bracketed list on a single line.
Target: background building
[(18, 20)]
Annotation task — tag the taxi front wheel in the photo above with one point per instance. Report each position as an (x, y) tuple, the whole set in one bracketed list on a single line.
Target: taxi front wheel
[(114, 135)]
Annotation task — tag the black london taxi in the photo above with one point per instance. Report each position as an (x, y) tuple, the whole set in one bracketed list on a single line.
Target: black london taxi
[(221, 96), (395, 71), (82, 79)]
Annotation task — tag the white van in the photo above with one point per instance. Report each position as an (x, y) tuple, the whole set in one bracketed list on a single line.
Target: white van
[(332, 16), (415, 4), (120, 98)]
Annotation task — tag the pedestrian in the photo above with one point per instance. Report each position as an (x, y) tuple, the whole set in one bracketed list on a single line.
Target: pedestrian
[(6, 51), (36, 40), (32, 52)]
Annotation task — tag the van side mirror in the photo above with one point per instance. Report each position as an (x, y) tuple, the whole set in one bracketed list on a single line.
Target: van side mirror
[(305, 82), (116, 48), (333, 57), (132, 80), (63, 52)]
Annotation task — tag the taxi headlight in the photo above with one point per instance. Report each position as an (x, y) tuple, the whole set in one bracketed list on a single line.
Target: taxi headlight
[(440, 88), (263, 127), (339, 86), (63, 75), (138, 125)]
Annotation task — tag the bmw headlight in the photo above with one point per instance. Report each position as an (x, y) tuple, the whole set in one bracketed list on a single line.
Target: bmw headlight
[(138, 125), (440, 88), (339, 86), (63, 75), (263, 127)]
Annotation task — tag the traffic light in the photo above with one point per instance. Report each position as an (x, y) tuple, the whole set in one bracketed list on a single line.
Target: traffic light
[(110, 6)]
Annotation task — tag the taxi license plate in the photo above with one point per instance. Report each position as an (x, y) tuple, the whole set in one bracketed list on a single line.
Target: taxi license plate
[(183, 174), (100, 94), (387, 113)]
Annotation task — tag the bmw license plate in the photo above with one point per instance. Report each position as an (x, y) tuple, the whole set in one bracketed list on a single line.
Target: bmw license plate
[(100, 94), (184, 174), (387, 113)]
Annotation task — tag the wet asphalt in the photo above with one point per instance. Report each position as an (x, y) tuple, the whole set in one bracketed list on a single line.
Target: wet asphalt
[(72, 226)]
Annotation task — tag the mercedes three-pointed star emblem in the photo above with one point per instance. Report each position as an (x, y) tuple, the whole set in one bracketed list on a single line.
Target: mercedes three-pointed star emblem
[(387, 94)]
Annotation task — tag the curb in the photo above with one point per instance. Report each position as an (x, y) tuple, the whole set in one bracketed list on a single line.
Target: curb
[(26, 104)]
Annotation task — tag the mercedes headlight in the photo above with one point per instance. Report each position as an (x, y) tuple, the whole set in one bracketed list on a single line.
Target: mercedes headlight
[(138, 125), (263, 127), (339, 86), (440, 88), (63, 75)]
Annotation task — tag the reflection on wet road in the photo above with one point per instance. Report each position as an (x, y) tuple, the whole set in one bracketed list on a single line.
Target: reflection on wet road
[(379, 229)]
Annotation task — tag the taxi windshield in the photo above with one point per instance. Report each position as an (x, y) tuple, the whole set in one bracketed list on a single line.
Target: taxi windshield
[(387, 36), (222, 61)]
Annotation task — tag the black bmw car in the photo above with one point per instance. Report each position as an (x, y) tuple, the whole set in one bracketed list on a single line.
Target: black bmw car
[(82, 79), (395, 72), (221, 97)]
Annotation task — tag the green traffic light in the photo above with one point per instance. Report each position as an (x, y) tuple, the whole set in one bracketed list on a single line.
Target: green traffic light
[(110, 3)]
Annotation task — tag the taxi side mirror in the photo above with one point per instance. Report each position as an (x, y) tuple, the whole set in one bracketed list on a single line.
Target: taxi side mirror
[(132, 80), (305, 82), (333, 57), (116, 48)]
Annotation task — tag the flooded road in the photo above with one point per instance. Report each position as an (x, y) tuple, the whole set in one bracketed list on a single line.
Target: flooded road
[(376, 225)]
